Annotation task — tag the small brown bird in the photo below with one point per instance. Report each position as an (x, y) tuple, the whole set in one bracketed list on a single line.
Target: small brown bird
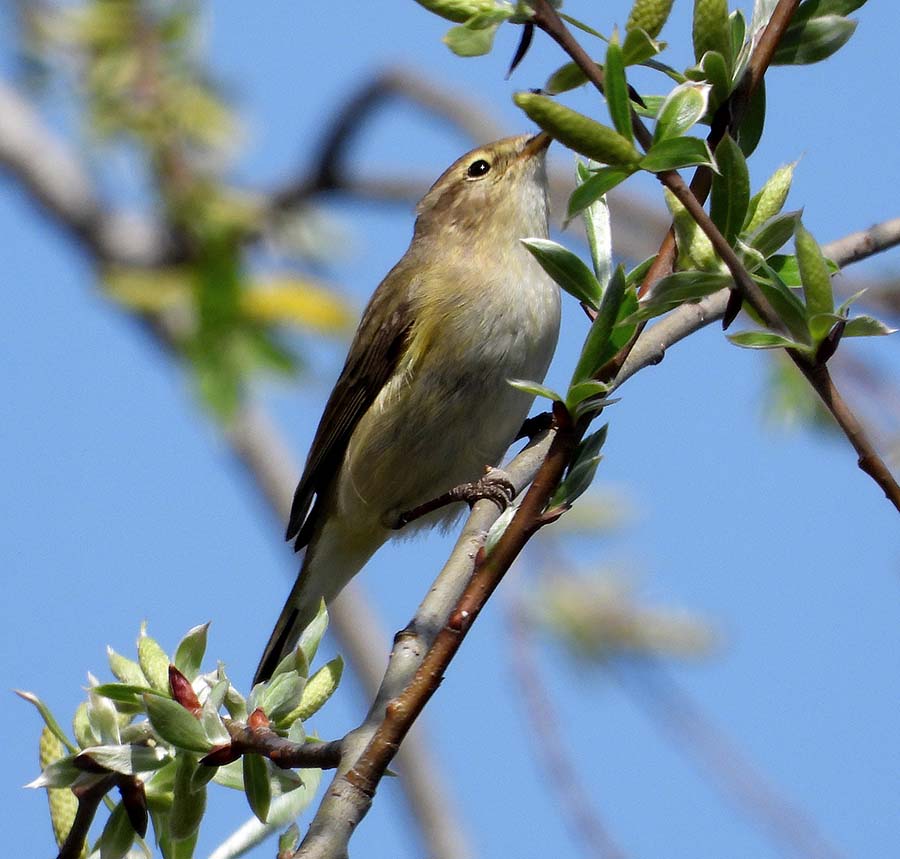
[(423, 402)]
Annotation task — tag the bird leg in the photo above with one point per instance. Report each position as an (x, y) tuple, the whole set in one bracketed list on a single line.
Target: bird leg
[(494, 485)]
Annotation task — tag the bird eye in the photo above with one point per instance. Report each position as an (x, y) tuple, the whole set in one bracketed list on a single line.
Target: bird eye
[(478, 168)]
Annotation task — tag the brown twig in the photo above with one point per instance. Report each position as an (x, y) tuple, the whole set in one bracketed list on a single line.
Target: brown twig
[(816, 373), (89, 798), (282, 752)]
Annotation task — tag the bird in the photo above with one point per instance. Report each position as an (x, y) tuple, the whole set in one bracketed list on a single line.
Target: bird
[(423, 402)]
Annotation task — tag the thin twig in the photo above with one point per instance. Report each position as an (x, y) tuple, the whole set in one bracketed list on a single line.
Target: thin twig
[(89, 799), (281, 751)]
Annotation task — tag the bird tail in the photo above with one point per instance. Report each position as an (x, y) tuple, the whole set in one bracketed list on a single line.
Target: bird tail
[(331, 560)]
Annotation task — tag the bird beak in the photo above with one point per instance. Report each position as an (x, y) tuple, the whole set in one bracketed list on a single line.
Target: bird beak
[(536, 145)]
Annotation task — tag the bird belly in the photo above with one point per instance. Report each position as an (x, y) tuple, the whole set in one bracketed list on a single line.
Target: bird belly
[(451, 412)]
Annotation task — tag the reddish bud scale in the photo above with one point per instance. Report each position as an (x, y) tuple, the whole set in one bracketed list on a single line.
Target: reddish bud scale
[(183, 692), (258, 719)]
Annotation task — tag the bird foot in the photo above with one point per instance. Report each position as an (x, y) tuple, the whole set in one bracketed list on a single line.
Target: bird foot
[(495, 485)]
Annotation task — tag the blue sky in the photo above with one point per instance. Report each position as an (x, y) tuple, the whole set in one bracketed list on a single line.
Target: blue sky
[(121, 504)]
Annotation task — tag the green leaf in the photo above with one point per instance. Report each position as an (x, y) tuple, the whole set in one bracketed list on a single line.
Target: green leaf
[(566, 77), (866, 326), (175, 724), (751, 127), (188, 805), (616, 89), (816, 281), (679, 288), (765, 340), (60, 773), (770, 199), (128, 759), (566, 269), (581, 472), (598, 229), (601, 182), (48, 717), (597, 347), (103, 718), (730, 189), (639, 46), (813, 40), (282, 695), (789, 271), (774, 233), (845, 306), (125, 669), (711, 30), (583, 390), (311, 637), (683, 108), (190, 651), (535, 389), (154, 663), (257, 786), (676, 152), (786, 304), (636, 276), (117, 836), (714, 70), (817, 8), (466, 42)]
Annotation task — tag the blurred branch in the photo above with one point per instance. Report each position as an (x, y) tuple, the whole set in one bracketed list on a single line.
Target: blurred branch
[(548, 745), (672, 708), (865, 243)]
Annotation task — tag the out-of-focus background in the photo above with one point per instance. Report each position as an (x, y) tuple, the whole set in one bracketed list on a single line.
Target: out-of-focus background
[(770, 559)]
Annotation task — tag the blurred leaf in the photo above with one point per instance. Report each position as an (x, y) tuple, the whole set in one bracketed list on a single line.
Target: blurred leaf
[(319, 688), (466, 42), (772, 235), (751, 128), (188, 805), (597, 347), (786, 304), (639, 46), (714, 70), (117, 836), (580, 473), (567, 269), (128, 759), (126, 670), (48, 717), (62, 802), (566, 77), (648, 15)]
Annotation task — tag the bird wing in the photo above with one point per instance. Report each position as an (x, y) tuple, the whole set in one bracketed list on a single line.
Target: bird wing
[(374, 355)]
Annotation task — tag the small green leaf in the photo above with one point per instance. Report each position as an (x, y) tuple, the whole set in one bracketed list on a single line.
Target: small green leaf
[(126, 670), (319, 688), (188, 804), (117, 836), (128, 759), (311, 637), (581, 472), (466, 42), (61, 773), (786, 304), (730, 189), (770, 199), (789, 271), (765, 340), (694, 247), (816, 281), (598, 347), (583, 390), (598, 229), (751, 127), (679, 288), (676, 152), (257, 786), (175, 724), (122, 693), (48, 717), (282, 695), (772, 235), (535, 389), (190, 651), (683, 108), (601, 182), (103, 718), (639, 46), (616, 89), (154, 663), (813, 40), (711, 29), (866, 326), (714, 70), (566, 269), (565, 78), (648, 15)]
